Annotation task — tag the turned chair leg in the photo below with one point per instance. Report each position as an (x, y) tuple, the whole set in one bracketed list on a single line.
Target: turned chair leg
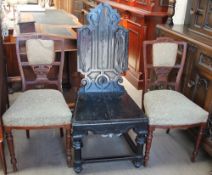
[(148, 145), (68, 147), (61, 132), (27, 134), (167, 131), (198, 141), (2, 158), (10, 143)]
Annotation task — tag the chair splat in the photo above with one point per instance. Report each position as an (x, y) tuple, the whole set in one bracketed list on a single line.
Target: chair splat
[(102, 51)]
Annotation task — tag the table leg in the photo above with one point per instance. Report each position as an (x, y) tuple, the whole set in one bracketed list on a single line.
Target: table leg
[(140, 140), (77, 145)]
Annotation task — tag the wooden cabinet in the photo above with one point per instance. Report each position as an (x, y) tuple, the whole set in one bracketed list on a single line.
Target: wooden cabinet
[(140, 17), (201, 17)]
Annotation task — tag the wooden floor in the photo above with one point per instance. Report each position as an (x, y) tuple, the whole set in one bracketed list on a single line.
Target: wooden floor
[(44, 153)]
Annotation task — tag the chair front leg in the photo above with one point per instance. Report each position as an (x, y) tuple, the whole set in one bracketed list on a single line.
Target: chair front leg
[(68, 146), (10, 143), (27, 134), (198, 141), (2, 158), (148, 144), (61, 132), (167, 131)]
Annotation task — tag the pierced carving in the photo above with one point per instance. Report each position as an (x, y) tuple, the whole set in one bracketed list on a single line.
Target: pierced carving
[(102, 51), (162, 75), (41, 71), (158, 78), (205, 61), (199, 82)]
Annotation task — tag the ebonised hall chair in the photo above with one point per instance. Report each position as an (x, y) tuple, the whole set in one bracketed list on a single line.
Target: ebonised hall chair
[(41, 105), (164, 105)]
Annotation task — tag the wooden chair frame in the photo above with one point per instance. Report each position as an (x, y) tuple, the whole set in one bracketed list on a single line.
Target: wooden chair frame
[(162, 75), (41, 78)]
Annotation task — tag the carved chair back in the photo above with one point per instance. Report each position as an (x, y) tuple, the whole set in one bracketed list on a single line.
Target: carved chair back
[(102, 51), (164, 60), (41, 60)]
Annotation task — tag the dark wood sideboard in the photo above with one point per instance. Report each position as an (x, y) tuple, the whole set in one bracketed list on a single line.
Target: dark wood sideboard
[(140, 17)]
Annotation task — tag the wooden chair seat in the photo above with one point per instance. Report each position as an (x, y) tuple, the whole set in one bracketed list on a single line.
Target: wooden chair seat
[(38, 108), (168, 107)]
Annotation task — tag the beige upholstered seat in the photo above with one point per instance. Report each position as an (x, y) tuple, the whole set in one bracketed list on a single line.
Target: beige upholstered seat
[(43, 107), (168, 107)]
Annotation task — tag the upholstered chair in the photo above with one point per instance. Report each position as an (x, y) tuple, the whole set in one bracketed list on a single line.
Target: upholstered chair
[(164, 105), (41, 105)]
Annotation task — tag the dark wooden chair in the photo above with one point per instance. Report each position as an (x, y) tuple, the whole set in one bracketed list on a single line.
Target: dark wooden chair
[(41, 105), (103, 106), (164, 105)]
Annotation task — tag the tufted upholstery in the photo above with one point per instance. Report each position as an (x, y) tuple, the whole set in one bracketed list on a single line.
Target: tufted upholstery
[(40, 51), (167, 107), (164, 54), (44, 107)]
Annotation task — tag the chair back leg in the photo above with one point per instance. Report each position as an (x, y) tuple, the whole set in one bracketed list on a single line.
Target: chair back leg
[(10, 143), (198, 141), (2, 158), (61, 132), (27, 134)]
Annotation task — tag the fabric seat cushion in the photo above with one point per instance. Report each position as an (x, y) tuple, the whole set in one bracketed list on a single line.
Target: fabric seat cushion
[(43, 107), (168, 107)]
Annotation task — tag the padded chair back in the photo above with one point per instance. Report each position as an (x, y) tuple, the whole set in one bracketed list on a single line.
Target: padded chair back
[(164, 60), (102, 51), (41, 60)]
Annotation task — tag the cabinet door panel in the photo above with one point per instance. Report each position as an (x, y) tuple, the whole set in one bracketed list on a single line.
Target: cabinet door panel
[(136, 34), (208, 23), (134, 48)]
